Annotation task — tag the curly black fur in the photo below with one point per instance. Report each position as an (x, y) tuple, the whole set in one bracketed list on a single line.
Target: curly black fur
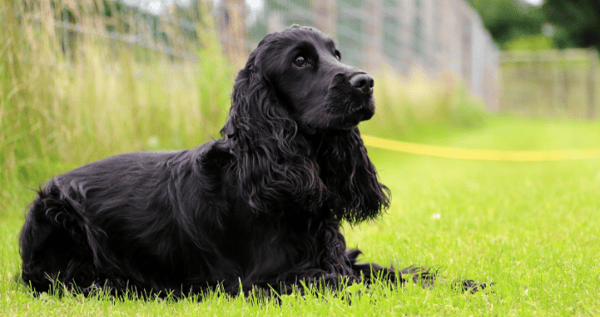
[(260, 207)]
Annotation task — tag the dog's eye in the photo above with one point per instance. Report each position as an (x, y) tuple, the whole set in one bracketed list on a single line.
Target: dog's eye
[(338, 55), (300, 61)]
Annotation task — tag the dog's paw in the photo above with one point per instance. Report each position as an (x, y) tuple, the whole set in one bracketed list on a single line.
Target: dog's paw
[(470, 286)]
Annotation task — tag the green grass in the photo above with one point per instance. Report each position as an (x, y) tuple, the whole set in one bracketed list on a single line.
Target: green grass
[(532, 228)]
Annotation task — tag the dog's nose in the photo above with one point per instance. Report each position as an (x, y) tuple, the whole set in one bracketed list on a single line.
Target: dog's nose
[(363, 82)]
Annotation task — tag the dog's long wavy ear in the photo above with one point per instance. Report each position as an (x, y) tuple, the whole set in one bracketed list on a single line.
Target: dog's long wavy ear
[(273, 168), (355, 193)]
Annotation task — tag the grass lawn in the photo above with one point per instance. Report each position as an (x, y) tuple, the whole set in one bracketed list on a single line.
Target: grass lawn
[(532, 228)]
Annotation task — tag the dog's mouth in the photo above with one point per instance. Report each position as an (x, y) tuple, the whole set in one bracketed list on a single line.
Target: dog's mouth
[(351, 121), (364, 113)]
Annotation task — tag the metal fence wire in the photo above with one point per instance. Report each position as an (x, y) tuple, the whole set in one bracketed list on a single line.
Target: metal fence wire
[(437, 35)]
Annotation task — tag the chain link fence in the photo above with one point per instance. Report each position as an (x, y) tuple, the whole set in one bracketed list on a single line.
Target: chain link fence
[(439, 36)]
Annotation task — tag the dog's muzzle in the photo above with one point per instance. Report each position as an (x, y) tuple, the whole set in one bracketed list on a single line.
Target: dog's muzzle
[(364, 113)]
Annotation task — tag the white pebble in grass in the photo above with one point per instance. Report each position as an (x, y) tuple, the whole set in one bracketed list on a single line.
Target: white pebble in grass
[(153, 142), (436, 216)]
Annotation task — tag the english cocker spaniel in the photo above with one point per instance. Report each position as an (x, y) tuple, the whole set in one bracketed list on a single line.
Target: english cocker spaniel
[(260, 207)]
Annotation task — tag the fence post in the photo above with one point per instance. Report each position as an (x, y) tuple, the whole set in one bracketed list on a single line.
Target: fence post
[(593, 55), (325, 12), (372, 48), (232, 26), (565, 82)]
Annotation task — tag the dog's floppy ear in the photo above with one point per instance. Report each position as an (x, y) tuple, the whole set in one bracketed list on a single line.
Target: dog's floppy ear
[(273, 170), (355, 193)]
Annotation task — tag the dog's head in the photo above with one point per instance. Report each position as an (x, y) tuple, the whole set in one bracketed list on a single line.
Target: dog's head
[(293, 93), (309, 79)]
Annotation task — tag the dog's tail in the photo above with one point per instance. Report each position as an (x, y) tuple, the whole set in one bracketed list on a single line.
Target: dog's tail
[(52, 233)]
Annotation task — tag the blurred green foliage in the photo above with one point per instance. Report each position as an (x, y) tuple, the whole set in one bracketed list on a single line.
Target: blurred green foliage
[(569, 23), (577, 22), (507, 20), (530, 43)]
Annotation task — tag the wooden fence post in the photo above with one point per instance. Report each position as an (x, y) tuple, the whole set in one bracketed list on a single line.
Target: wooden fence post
[(232, 26), (593, 55)]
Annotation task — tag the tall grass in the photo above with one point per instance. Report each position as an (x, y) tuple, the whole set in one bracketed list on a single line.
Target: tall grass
[(76, 104), (411, 105), (555, 83)]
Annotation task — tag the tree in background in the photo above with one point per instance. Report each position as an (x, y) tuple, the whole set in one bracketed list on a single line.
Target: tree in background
[(577, 22), (507, 20)]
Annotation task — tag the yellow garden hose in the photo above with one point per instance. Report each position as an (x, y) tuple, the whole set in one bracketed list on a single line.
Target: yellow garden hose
[(481, 155)]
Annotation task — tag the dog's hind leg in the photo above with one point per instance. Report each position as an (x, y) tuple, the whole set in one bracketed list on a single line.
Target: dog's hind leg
[(53, 245)]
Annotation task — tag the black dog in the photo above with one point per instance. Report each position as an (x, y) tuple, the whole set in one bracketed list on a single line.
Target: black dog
[(260, 207)]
